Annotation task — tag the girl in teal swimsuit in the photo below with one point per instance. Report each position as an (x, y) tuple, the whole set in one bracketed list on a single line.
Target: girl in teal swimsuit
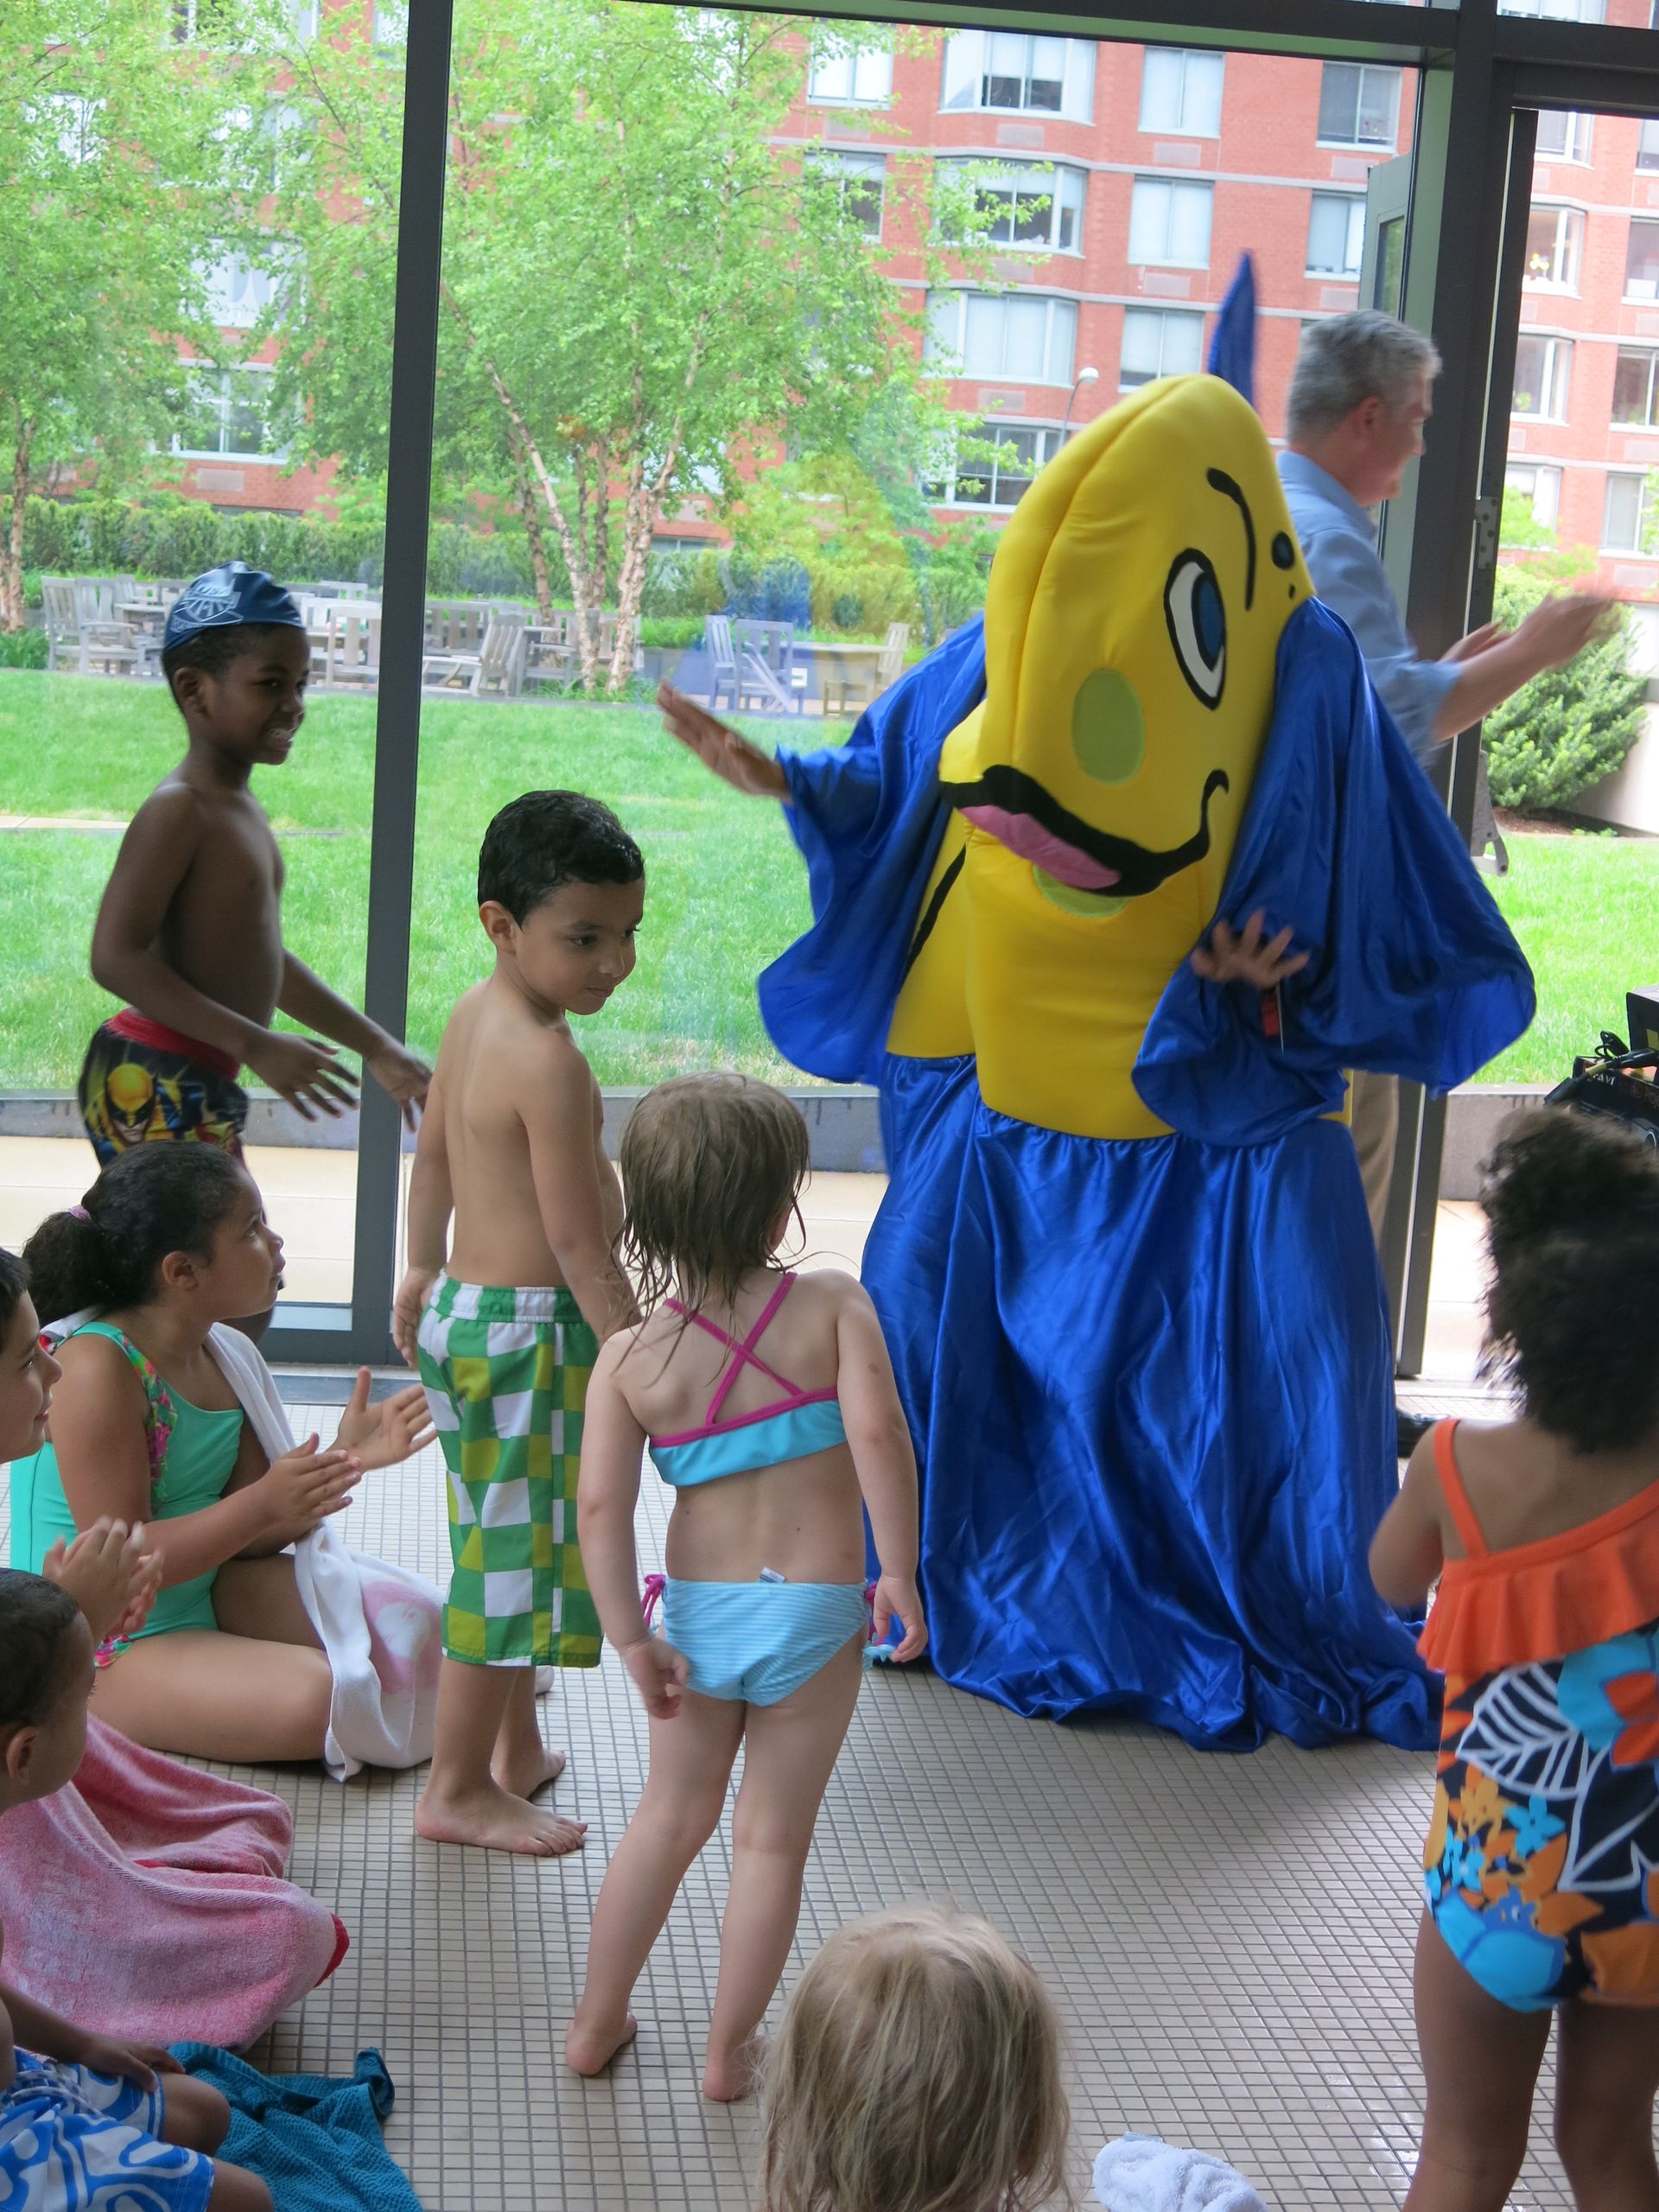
[(145, 1426), (770, 1408)]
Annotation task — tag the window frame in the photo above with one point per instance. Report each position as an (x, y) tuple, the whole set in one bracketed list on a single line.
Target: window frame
[(225, 400), (842, 165), (1170, 185), (1570, 224), (1165, 316), (1355, 203), (1641, 223), (962, 294), (1647, 511), (1580, 149), (1048, 438), (1181, 128), (1360, 70), (1081, 50), (1649, 355), (1557, 381), (1536, 469), (1065, 174), (817, 62)]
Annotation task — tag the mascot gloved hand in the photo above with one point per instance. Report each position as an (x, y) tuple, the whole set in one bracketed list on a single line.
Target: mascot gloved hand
[(1109, 892)]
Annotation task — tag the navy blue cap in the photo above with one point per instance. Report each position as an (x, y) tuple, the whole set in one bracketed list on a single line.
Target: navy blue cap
[(233, 593)]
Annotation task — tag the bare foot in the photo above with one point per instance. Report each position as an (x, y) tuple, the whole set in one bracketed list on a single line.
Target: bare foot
[(522, 1770), (498, 1820), (727, 2080), (591, 2051)]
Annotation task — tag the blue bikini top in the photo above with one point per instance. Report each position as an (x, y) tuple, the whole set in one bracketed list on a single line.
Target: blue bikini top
[(800, 1422)]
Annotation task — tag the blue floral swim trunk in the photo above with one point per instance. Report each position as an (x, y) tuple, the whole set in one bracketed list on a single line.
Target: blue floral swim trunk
[(72, 2140)]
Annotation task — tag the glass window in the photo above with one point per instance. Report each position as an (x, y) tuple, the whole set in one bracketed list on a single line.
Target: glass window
[(238, 292), (1008, 69), (1159, 342), (1542, 366), (1012, 455), (1336, 234), (1562, 136), (1554, 239), (1557, 11), (227, 23), (1633, 380), (1538, 488), (1028, 203), (1628, 523), (1358, 105), (1180, 91), (843, 78), (1170, 222), (860, 179), (1647, 146), (1642, 262), (229, 411), (1001, 334)]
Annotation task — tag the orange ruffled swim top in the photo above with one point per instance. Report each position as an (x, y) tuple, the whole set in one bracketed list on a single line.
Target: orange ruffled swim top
[(1542, 1600)]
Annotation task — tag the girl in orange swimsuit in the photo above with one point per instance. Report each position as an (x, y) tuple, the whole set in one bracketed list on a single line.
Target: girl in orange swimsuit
[(1542, 1869)]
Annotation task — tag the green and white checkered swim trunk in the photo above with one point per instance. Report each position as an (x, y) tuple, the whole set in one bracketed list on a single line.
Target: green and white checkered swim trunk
[(506, 1373)]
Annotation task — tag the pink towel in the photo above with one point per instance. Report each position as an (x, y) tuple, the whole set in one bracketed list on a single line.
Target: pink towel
[(147, 1899)]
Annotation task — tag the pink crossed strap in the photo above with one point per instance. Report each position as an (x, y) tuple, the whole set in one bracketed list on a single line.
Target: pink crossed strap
[(747, 1354)]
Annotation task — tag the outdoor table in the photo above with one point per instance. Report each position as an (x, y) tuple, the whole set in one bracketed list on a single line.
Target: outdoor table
[(847, 664)]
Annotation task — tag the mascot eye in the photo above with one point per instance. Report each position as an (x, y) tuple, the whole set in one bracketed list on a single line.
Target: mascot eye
[(1197, 626)]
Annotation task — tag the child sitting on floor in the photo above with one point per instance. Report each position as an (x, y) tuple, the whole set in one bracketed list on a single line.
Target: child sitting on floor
[(87, 2123), (1543, 1534), (770, 1406), (918, 2069)]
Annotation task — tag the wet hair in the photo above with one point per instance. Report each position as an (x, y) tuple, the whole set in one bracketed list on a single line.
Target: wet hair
[(36, 1617), (918, 2069), (1572, 1206), (155, 1199), (540, 842), (709, 1163), (14, 1287), (212, 649), (1346, 359)]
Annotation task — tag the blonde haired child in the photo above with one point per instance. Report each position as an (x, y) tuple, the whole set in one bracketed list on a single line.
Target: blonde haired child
[(770, 1406), (918, 2070)]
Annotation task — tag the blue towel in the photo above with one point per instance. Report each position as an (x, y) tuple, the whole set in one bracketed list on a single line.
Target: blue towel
[(313, 2138)]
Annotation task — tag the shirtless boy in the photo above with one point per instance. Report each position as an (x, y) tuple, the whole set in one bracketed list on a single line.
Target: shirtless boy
[(506, 1328), (189, 932)]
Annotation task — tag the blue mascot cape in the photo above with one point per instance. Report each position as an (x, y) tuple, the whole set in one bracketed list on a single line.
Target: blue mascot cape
[(1150, 1381)]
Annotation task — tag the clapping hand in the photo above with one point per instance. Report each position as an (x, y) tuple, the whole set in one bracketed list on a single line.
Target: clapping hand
[(1247, 958), (384, 1435), (108, 1575), (719, 746)]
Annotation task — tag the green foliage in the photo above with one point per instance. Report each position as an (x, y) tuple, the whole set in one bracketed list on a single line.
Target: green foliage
[(1569, 726), (1517, 528), (672, 632), (23, 649)]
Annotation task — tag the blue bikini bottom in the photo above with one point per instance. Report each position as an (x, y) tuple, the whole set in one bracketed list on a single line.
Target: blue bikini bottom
[(760, 1641)]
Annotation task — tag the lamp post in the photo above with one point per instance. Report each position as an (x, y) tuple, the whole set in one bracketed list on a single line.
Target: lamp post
[(1083, 377)]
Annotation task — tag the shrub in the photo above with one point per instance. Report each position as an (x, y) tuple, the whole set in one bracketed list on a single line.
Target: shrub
[(672, 633), (23, 649), (1569, 726)]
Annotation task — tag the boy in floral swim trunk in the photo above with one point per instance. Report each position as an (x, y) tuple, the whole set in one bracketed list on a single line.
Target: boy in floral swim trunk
[(505, 1325)]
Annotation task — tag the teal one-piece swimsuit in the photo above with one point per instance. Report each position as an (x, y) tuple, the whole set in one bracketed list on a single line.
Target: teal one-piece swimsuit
[(193, 1452)]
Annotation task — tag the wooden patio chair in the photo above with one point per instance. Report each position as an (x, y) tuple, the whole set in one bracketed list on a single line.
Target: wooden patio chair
[(62, 622), (112, 649), (496, 666), (891, 666), (354, 652), (722, 659)]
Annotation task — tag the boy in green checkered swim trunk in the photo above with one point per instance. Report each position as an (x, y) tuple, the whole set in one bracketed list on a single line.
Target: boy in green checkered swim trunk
[(507, 1374), (512, 1287)]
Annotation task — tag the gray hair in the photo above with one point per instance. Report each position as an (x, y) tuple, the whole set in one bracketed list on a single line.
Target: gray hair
[(1348, 359)]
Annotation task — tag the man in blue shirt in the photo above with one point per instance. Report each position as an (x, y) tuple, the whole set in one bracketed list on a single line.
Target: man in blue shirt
[(1358, 400)]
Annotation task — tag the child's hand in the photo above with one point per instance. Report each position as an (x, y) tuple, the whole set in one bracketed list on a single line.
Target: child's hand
[(660, 1672), (408, 1307), (305, 1073), (733, 758), (897, 1597), (401, 1075), (387, 1434), (1246, 959), (128, 2060), (306, 1486), (108, 1575)]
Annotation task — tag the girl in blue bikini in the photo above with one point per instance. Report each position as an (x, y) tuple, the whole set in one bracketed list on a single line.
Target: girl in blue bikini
[(769, 1405)]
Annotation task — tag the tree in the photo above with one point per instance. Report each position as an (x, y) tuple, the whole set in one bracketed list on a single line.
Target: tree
[(1571, 725), (642, 292), (123, 178)]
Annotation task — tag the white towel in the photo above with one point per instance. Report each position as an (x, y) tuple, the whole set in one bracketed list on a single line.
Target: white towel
[(1140, 2174), (379, 1624)]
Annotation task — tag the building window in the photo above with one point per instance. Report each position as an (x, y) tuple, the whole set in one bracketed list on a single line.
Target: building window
[(1159, 343), (1007, 69), (999, 481), (1647, 146), (238, 292), (1562, 136), (859, 179), (1170, 223), (1028, 203), (841, 78), (1543, 367), (1554, 240), (1629, 523), (1633, 383), (1642, 262), (1180, 92), (1336, 234), (1358, 105), (1535, 486), (1001, 334), (228, 411), (223, 23), (1557, 11), (74, 121)]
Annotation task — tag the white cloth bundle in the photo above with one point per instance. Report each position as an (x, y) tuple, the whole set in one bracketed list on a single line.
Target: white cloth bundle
[(1137, 2173)]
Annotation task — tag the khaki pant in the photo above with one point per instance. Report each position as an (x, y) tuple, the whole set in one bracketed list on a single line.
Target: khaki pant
[(1375, 1118)]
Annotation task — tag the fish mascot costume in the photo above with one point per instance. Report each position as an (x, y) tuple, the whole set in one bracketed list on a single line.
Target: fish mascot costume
[(1123, 1262)]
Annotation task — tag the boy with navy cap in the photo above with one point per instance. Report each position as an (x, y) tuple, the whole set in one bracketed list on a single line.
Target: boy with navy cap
[(190, 932)]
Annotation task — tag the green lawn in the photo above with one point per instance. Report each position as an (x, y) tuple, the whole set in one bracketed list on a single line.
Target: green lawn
[(727, 892)]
